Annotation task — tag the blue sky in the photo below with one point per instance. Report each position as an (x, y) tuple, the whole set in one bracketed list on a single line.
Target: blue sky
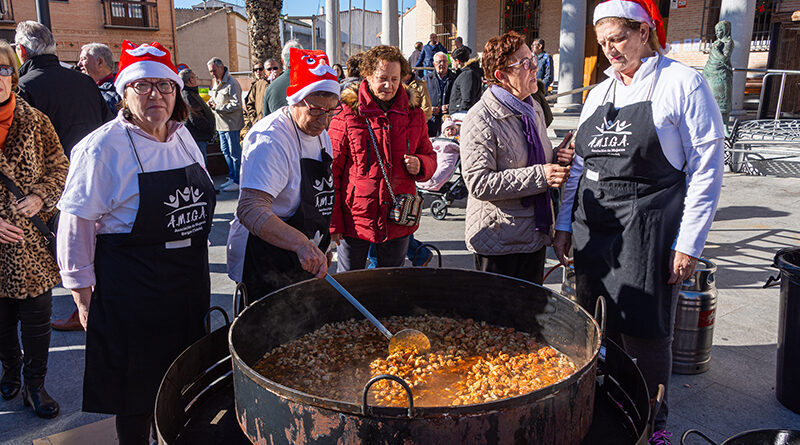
[(306, 7)]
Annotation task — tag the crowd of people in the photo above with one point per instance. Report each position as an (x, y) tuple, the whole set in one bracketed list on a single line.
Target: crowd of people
[(110, 168)]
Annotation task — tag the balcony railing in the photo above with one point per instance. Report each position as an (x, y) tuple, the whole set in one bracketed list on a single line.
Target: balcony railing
[(130, 14), (6, 12)]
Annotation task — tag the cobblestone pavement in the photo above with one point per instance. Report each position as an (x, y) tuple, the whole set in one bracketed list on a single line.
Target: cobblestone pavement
[(757, 216)]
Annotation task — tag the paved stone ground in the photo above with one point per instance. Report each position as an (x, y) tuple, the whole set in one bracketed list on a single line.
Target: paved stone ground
[(757, 216)]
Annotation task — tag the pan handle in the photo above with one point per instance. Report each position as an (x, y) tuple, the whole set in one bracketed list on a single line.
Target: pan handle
[(240, 294), (432, 247), (692, 431), (655, 406), (365, 409), (600, 314), (207, 317), (772, 281)]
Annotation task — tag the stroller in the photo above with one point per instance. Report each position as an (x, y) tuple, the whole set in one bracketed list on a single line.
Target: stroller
[(454, 188)]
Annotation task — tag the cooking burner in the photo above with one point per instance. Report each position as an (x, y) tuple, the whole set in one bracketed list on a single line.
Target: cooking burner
[(196, 401)]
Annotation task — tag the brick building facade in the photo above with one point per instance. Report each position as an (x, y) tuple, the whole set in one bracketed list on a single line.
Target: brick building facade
[(78, 22), (687, 27)]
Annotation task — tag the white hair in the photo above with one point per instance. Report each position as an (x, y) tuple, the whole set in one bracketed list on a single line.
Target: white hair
[(285, 51), (440, 52), (216, 61), (35, 38), (102, 51)]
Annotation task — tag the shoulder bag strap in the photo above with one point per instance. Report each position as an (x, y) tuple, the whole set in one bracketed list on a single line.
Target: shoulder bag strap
[(35, 219), (380, 161)]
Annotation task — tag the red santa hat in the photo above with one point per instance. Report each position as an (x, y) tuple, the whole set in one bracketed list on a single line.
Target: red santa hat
[(645, 11), (145, 60), (309, 72)]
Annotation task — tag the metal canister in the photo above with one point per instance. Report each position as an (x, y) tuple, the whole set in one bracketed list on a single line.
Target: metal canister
[(694, 321), (568, 283)]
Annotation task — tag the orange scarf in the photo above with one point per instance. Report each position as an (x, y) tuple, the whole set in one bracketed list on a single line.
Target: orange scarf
[(6, 116)]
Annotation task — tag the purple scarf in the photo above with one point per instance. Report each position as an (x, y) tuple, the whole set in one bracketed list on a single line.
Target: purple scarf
[(543, 215)]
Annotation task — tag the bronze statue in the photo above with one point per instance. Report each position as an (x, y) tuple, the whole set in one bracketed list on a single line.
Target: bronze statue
[(718, 70)]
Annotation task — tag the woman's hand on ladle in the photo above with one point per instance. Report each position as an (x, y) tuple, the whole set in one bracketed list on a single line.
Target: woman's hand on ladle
[(312, 259)]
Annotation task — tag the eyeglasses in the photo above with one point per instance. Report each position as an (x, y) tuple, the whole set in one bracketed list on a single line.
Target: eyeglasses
[(144, 87), (6, 70), (527, 63), (258, 68), (319, 111), (274, 68)]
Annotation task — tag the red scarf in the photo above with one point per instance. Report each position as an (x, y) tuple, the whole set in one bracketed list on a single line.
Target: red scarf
[(6, 116)]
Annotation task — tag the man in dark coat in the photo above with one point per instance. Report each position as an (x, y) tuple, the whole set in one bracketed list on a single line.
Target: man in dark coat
[(97, 61), (440, 84), (70, 99), (200, 123), (468, 86), (544, 63), (275, 94), (429, 50)]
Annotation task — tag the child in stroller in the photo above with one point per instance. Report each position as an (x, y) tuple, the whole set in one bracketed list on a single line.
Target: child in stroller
[(447, 184)]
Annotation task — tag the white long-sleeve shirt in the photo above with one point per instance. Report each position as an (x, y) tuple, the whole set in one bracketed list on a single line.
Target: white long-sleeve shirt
[(690, 130), (102, 189)]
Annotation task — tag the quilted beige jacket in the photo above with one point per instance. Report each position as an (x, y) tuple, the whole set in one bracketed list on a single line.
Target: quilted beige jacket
[(494, 155)]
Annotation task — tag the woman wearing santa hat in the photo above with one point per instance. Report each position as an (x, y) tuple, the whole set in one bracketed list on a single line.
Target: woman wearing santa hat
[(644, 185), (280, 234), (133, 241)]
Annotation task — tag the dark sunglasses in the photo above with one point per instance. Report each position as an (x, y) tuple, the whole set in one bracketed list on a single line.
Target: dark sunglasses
[(274, 68), (6, 70), (144, 87), (319, 111), (258, 69)]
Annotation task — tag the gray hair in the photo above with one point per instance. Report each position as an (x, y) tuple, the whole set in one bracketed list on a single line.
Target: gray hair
[(185, 75), (440, 52), (100, 50), (216, 61), (285, 51), (35, 38), (270, 59)]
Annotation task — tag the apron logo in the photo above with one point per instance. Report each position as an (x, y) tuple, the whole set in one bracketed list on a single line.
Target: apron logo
[(611, 137), (320, 184), (189, 214)]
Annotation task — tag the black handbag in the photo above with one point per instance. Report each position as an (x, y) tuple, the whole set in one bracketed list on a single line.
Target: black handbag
[(47, 229), (406, 208)]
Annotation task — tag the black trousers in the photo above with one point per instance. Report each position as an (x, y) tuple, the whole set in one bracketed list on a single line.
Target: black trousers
[(34, 316), (525, 266), (135, 429)]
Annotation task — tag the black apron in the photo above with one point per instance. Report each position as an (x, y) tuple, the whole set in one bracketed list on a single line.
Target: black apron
[(153, 289), (628, 208), (268, 268)]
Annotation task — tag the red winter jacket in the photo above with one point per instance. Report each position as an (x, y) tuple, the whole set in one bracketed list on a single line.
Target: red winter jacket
[(362, 198)]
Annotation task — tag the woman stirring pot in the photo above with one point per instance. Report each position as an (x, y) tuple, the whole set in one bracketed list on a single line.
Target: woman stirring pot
[(133, 241), (645, 184)]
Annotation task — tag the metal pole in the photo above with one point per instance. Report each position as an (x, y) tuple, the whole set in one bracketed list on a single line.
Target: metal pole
[(363, 18), (402, 17), (350, 28), (780, 97), (313, 32), (43, 13)]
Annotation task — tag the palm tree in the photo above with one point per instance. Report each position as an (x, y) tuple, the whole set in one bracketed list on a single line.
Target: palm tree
[(264, 28)]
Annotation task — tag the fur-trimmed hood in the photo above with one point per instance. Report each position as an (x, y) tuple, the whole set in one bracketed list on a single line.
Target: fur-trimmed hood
[(473, 63), (349, 96)]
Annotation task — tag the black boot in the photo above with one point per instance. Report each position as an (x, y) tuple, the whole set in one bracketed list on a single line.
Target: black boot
[(10, 382), (43, 405)]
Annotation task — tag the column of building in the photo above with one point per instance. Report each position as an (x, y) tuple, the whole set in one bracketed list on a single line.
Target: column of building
[(389, 16), (467, 23), (571, 53)]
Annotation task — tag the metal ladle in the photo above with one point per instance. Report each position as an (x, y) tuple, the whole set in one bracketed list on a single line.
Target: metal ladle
[(401, 341)]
